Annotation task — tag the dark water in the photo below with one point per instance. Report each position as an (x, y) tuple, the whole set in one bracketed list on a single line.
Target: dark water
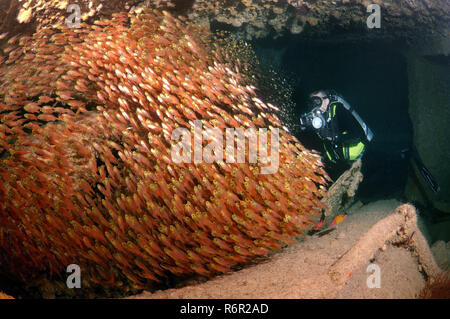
[(373, 79)]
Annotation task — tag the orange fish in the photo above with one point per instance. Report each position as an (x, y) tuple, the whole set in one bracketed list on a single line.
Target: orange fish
[(337, 220)]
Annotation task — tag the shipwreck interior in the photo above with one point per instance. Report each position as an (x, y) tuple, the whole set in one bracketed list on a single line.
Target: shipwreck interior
[(380, 80)]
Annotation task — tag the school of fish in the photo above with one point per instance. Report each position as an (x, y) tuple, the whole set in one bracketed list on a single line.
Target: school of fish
[(86, 176)]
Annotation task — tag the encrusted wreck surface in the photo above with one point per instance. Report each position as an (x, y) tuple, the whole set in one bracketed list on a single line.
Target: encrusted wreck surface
[(341, 193), (254, 19)]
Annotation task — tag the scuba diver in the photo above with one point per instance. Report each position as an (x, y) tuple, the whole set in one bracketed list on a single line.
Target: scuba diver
[(343, 133)]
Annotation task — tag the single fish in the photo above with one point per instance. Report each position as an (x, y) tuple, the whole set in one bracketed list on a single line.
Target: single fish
[(337, 220)]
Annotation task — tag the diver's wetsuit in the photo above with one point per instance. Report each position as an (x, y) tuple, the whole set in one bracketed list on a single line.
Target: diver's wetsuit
[(343, 137)]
